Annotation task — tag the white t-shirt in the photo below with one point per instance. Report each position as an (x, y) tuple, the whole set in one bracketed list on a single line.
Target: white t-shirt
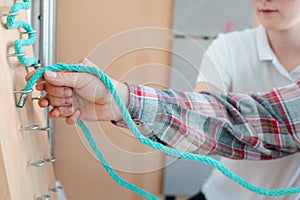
[(243, 62)]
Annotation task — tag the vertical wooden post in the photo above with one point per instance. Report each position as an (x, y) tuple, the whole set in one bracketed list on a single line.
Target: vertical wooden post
[(18, 148)]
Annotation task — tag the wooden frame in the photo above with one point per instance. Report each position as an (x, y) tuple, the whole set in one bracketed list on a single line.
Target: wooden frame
[(18, 148)]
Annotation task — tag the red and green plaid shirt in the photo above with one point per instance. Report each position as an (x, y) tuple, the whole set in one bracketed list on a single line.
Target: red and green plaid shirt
[(238, 126)]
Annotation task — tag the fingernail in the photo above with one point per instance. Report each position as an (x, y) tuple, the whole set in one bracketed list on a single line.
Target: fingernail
[(55, 113), (76, 115), (51, 74)]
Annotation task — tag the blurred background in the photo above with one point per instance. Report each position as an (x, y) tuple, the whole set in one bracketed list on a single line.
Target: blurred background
[(81, 26)]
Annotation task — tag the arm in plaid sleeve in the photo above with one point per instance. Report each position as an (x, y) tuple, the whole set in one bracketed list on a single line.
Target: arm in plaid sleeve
[(238, 126)]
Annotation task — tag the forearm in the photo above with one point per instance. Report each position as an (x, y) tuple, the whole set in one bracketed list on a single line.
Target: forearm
[(238, 126)]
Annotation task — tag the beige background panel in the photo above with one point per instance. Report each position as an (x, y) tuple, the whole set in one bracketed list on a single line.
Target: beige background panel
[(80, 28), (19, 148), (4, 191)]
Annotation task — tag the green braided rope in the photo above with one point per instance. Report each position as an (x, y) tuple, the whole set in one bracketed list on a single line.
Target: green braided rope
[(131, 125), (18, 44), (127, 118), (109, 170)]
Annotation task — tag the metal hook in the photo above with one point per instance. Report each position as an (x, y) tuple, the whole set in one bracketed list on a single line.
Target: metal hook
[(56, 189), (23, 97), (45, 129), (39, 163), (29, 128), (43, 197), (35, 128), (8, 14), (36, 98), (37, 65), (28, 32), (22, 91), (16, 54), (52, 159)]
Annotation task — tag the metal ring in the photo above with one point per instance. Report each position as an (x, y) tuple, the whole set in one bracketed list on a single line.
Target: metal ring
[(35, 128), (43, 197), (22, 91), (56, 189), (8, 14), (39, 163), (16, 54), (52, 159), (26, 32)]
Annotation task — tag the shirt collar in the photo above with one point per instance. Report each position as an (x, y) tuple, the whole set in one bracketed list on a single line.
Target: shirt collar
[(263, 47)]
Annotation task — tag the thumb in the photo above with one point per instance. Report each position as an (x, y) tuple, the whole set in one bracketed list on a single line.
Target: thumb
[(67, 79)]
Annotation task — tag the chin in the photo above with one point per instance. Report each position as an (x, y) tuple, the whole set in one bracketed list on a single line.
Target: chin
[(276, 27), (272, 26)]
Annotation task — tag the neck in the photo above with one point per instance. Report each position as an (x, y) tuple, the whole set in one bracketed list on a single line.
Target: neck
[(286, 46), (288, 38)]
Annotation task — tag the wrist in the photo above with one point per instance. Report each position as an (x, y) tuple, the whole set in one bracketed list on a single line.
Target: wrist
[(123, 91)]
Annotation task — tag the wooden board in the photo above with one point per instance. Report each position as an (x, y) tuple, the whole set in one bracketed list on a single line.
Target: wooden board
[(99, 21), (17, 148)]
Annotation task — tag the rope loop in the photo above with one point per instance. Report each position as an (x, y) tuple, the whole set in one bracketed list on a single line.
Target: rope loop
[(11, 23)]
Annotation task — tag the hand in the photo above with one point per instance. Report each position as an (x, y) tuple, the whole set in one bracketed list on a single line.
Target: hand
[(79, 96)]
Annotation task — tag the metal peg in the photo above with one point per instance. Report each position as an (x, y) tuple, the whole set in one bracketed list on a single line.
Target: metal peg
[(30, 128), (43, 197), (35, 128), (22, 100), (16, 54), (8, 14), (36, 98), (45, 129), (23, 97), (37, 65), (56, 189), (39, 163), (51, 159), (22, 91), (28, 32)]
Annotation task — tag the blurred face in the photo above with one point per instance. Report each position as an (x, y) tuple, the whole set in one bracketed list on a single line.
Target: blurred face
[(278, 14)]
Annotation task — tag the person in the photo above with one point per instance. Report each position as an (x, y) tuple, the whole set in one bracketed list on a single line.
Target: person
[(255, 60)]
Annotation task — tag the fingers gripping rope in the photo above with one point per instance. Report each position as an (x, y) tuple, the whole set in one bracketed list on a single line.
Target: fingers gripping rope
[(105, 79)]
